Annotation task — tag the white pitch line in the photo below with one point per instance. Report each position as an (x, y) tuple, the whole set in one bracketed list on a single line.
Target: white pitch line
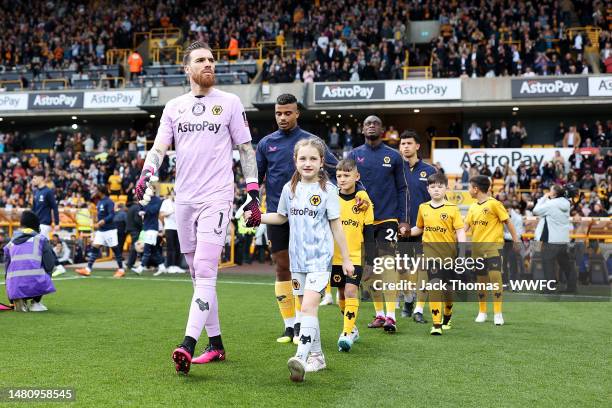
[(182, 280)]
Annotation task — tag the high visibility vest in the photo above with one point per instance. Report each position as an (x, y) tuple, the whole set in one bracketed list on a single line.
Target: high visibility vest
[(233, 47), (26, 276), (243, 229), (135, 62), (83, 220)]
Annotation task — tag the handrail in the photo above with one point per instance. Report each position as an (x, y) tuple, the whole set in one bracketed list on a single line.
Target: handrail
[(122, 53), (440, 138), (512, 42), (165, 32), (178, 50), (425, 68), (62, 80), (12, 81), (143, 34)]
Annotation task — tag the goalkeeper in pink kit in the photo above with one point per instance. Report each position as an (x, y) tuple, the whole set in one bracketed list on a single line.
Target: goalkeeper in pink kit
[(204, 125)]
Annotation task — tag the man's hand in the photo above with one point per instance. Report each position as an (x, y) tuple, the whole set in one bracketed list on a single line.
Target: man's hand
[(251, 210), (348, 268), (517, 246), (362, 205), (144, 190), (404, 230)]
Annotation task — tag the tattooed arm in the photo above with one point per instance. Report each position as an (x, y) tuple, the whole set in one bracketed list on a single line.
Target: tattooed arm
[(248, 162), (152, 163), (249, 170), (155, 157)]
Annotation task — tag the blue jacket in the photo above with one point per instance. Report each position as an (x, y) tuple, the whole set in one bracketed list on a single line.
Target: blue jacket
[(275, 162), (417, 187), (106, 212), (382, 173), (44, 203), (151, 217)]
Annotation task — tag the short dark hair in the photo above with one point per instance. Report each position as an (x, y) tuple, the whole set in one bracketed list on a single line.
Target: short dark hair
[(411, 134), (39, 173), (481, 182), (102, 189), (437, 178), (30, 220), (192, 47), (286, 99), (346, 165)]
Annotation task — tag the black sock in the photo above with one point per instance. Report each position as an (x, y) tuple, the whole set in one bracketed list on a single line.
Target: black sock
[(189, 343), (216, 342), (37, 299)]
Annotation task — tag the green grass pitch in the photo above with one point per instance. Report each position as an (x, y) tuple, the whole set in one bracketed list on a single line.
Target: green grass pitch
[(111, 340)]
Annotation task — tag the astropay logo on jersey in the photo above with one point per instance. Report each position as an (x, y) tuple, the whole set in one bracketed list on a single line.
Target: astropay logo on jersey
[(63, 100), (185, 127), (341, 92)]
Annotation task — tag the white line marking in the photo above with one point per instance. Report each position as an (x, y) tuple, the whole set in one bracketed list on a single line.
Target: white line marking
[(182, 280)]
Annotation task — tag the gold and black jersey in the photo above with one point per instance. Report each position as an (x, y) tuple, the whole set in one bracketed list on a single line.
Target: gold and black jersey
[(353, 222), (439, 223), (486, 222)]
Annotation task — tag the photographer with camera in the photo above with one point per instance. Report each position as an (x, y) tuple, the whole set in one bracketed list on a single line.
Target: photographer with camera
[(553, 230)]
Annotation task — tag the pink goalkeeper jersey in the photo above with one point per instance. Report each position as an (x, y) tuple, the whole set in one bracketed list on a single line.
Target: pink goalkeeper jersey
[(204, 130)]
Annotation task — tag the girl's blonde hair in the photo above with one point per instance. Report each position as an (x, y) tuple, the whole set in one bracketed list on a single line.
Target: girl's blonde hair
[(318, 144)]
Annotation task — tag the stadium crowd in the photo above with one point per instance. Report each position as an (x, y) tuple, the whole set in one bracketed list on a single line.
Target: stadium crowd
[(369, 41), (349, 40)]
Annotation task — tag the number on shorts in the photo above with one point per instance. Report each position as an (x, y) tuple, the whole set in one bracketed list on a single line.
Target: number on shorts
[(391, 235), (220, 219)]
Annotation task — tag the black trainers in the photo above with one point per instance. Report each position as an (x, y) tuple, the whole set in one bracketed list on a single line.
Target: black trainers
[(296, 333), (418, 318), (407, 309)]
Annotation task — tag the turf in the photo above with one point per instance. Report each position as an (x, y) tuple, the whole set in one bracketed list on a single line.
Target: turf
[(111, 341)]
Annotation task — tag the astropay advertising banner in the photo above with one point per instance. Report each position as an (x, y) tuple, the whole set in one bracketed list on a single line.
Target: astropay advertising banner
[(112, 99), (452, 160), (600, 86), (13, 101), (423, 90)]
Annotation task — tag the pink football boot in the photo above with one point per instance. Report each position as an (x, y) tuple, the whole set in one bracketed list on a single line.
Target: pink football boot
[(210, 354), (182, 360)]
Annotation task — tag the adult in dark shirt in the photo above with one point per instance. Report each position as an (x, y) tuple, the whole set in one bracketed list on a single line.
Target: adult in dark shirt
[(105, 235), (133, 226), (275, 166)]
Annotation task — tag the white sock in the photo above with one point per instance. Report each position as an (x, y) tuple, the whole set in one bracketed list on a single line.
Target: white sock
[(418, 309), (316, 344), (391, 314), (380, 313), (309, 330), (289, 322)]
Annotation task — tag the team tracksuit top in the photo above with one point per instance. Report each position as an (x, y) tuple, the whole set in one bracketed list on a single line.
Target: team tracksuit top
[(44, 203), (382, 173), (106, 212), (275, 162), (417, 187)]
